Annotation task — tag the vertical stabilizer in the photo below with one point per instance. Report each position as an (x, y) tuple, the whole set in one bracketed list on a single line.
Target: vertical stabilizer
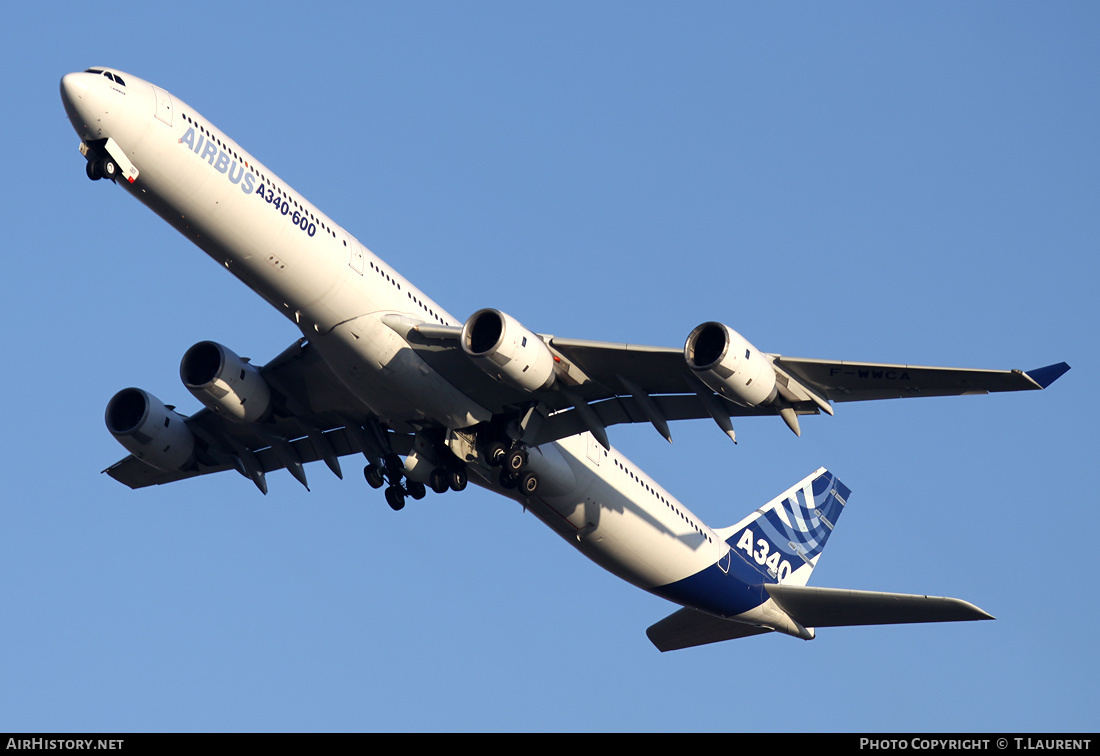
[(785, 537)]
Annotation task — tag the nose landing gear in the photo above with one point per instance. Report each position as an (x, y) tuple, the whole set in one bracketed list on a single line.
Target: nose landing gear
[(107, 160), (99, 168)]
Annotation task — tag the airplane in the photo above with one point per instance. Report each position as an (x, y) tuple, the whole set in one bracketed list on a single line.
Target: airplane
[(382, 370)]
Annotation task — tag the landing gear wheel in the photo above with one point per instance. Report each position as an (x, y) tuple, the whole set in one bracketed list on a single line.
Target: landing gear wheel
[(516, 460), (457, 480), (416, 489), (92, 171), (529, 483), (395, 497), (438, 481), (374, 476), (507, 480), (107, 169)]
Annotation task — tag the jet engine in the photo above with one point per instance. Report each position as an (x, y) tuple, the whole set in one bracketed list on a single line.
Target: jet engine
[(149, 430), (225, 383), (504, 349), (730, 365)]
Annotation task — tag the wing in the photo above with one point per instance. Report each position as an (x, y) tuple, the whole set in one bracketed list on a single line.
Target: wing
[(597, 384), (594, 385), (313, 418), (807, 384), (860, 381), (600, 384)]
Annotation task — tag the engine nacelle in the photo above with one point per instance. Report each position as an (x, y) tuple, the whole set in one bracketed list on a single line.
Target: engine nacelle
[(728, 364), (504, 349), (149, 430), (225, 383)]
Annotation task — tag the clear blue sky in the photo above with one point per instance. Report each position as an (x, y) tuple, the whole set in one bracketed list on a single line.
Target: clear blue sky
[(891, 182)]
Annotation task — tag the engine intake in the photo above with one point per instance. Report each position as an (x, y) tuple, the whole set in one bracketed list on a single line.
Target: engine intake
[(149, 430), (728, 364), (225, 383), (504, 349)]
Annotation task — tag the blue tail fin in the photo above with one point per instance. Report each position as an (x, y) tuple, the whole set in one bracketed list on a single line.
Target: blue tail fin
[(786, 536)]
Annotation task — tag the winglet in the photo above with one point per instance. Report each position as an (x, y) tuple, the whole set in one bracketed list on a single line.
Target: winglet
[(1045, 376)]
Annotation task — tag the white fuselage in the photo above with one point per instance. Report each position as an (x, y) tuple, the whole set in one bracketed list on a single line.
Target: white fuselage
[(336, 291)]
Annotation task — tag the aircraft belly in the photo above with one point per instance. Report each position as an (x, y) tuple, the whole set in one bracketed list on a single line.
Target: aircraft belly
[(630, 536), (728, 589), (381, 369), (627, 544)]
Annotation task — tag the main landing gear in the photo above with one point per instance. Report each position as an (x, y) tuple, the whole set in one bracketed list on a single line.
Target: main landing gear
[(392, 471), (441, 480), (512, 461)]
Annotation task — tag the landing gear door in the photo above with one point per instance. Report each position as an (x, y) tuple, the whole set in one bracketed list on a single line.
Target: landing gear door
[(164, 105)]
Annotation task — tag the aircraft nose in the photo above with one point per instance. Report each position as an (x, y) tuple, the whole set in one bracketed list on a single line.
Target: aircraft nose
[(74, 89), (74, 95), (82, 100)]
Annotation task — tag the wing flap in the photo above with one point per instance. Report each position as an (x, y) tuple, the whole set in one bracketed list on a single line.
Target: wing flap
[(625, 409), (835, 607), (135, 473)]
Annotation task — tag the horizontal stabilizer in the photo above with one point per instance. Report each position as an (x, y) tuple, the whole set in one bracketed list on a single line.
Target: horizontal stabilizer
[(688, 627), (834, 607)]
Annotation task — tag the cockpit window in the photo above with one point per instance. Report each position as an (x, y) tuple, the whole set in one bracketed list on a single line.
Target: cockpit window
[(108, 74)]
